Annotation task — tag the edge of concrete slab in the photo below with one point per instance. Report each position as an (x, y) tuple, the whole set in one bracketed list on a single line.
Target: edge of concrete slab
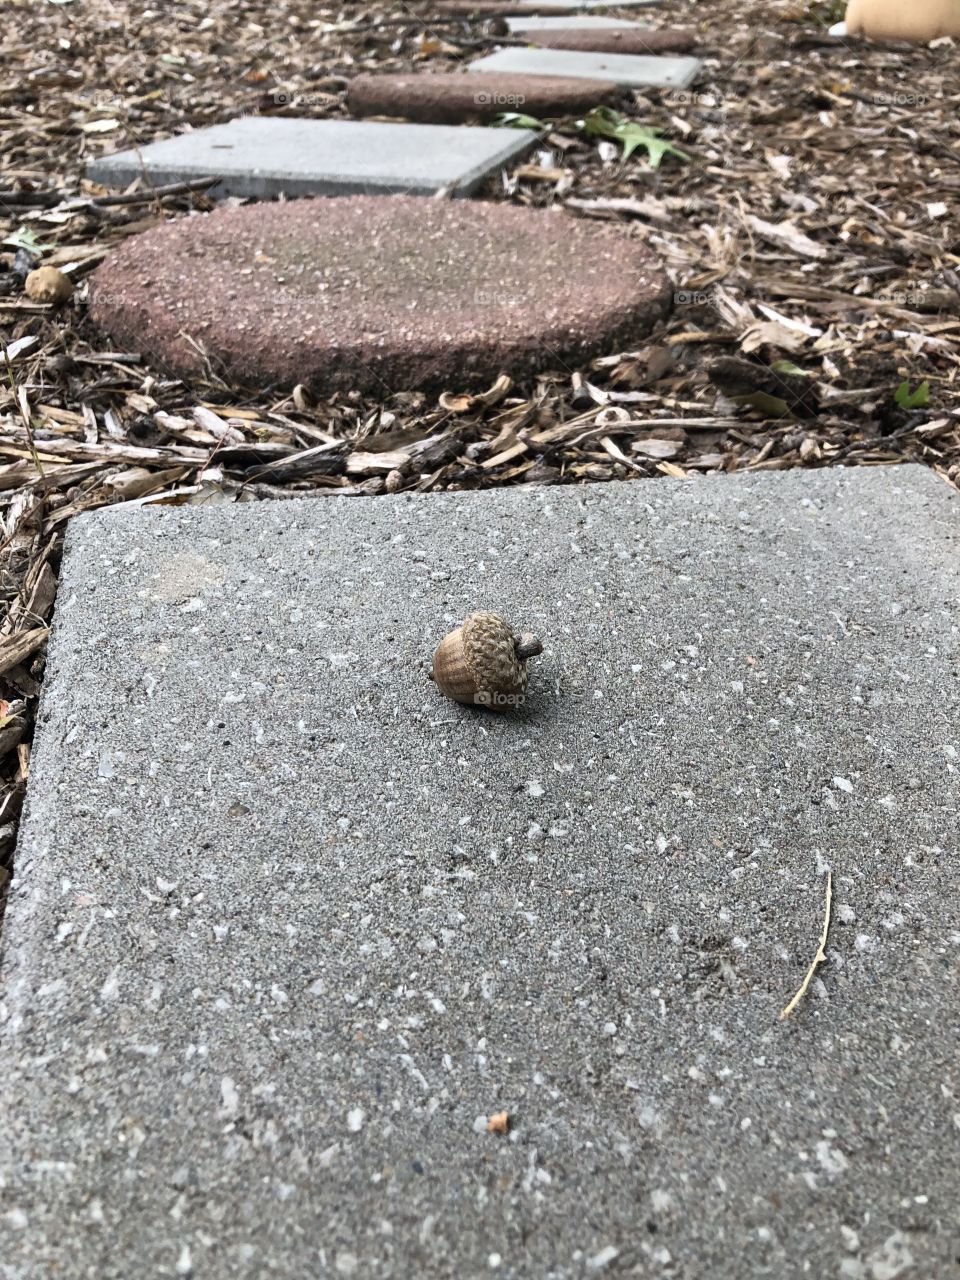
[(120, 168), (594, 1127), (629, 70)]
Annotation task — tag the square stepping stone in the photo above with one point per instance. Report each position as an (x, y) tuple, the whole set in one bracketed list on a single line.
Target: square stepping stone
[(631, 71), (289, 933), (263, 157)]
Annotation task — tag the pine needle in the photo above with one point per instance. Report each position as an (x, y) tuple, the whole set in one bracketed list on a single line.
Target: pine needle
[(818, 958)]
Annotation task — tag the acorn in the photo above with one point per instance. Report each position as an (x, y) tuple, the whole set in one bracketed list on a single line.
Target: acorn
[(47, 284), (484, 663)]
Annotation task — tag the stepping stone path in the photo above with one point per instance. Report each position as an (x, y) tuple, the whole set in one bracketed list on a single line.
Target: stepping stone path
[(465, 96), (618, 40), (380, 294), (288, 929), (281, 298), (262, 156), (631, 72)]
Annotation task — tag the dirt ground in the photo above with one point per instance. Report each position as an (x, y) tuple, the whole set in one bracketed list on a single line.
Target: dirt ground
[(810, 233)]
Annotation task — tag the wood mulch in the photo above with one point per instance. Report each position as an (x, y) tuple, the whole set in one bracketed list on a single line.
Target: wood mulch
[(811, 235)]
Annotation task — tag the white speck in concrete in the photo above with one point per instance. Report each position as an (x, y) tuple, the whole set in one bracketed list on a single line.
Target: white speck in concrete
[(661, 1200), (325, 1158), (892, 1259), (600, 1261), (851, 1240), (229, 1097), (831, 1158), (355, 1119), (185, 1261), (110, 986), (843, 784)]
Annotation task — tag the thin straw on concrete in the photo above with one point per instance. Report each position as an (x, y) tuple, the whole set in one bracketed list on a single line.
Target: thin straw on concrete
[(818, 958)]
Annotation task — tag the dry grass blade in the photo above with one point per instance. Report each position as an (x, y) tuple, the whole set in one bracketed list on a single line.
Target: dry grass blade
[(819, 958)]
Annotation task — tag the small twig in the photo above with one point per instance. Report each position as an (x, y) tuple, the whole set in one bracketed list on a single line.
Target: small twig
[(31, 199), (49, 199), (144, 197), (818, 958)]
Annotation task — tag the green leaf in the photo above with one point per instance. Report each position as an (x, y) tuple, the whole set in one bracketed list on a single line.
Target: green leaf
[(516, 120), (24, 238), (908, 399), (787, 366), (770, 406), (607, 123)]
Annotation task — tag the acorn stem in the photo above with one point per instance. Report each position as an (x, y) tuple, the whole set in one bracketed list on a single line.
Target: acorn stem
[(528, 646)]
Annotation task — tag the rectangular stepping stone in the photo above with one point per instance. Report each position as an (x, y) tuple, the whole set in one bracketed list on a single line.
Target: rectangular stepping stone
[(289, 932), (263, 157), (631, 71)]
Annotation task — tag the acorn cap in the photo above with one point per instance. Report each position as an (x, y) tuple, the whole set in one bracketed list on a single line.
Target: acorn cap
[(483, 662)]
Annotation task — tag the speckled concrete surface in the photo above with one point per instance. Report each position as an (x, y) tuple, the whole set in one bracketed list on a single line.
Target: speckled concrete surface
[(379, 293), (265, 156), (287, 927), (631, 71)]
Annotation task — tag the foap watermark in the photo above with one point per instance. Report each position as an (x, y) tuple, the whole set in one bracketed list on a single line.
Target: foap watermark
[(280, 98), (908, 298), (495, 699), (490, 298), (900, 98), (691, 298), (498, 99), (104, 98), (687, 98)]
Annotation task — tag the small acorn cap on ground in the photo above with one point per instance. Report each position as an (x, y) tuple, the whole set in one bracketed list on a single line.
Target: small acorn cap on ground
[(47, 284), (483, 663)]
